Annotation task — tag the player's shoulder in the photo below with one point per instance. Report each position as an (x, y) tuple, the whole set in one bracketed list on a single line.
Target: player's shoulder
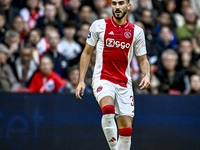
[(138, 29), (98, 22)]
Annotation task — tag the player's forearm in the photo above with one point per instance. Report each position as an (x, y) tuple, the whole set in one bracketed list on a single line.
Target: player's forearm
[(84, 63), (145, 67)]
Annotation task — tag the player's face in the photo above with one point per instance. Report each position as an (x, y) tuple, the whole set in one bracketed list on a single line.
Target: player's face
[(120, 8)]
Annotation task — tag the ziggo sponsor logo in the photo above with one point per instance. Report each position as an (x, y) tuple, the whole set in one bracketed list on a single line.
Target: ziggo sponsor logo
[(111, 43)]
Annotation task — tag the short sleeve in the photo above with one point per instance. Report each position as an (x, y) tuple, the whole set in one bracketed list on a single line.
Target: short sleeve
[(93, 34), (140, 44)]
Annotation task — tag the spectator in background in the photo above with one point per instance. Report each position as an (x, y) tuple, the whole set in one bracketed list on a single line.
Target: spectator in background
[(172, 80), (187, 56), (12, 39), (50, 13), (69, 47), (195, 84), (197, 64), (39, 47), (163, 19), (197, 45), (86, 15), (46, 80), (89, 74), (142, 4), (73, 10), (157, 4), (59, 61), (104, 14), (195, 6), (101, 5), (70, 87), (19, 26), (182, 6), (44, 43), (10, 12), (24, 67), (146, 19), (31, 13), (62, 15), (83, 34), (169, 6), (155, 83), (189, 29), (162, 42), (4, 81), (2, 24)]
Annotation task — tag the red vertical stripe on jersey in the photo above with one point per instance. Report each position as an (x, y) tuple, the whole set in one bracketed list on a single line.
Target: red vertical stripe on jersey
[(117, 42)]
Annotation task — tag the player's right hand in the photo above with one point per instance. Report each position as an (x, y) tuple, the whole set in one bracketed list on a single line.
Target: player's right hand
[(80, 89)]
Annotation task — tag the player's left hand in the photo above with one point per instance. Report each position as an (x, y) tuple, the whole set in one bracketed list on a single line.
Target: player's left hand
[(145, 82), (80, 89)]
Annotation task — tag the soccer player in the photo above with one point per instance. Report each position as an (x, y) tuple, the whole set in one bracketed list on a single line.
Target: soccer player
[(116, 39)]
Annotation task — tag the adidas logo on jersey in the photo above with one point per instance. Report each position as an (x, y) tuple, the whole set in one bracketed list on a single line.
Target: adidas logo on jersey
[(111, 33)]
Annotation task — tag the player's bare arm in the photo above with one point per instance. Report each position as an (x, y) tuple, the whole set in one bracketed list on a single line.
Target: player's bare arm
[(84, 63), (145, 68)]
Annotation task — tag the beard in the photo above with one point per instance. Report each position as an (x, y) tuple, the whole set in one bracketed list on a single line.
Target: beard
[(119, 17)]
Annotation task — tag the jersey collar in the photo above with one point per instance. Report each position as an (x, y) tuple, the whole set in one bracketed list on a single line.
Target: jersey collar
[(118, 25)]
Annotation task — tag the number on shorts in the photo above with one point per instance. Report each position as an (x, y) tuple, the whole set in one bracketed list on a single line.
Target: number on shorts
[(132, 103)]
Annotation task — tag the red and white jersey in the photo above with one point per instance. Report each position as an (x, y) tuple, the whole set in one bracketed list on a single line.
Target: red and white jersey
[(115, 45)]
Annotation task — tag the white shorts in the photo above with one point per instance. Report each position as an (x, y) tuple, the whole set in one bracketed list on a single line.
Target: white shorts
[(122, 96)]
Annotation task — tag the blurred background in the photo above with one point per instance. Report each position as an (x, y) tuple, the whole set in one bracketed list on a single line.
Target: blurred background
[(41, 42)]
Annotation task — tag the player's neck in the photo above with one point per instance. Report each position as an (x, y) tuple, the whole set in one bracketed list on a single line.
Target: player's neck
[(121, 21)]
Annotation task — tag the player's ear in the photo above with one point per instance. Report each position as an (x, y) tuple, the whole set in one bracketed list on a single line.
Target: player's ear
[(129, 6)]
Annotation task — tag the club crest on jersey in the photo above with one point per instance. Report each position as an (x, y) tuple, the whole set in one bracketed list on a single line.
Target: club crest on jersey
[(99, 89), (127, 34)]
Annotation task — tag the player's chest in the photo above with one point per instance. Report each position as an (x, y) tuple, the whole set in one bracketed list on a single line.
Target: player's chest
[(118, 37)]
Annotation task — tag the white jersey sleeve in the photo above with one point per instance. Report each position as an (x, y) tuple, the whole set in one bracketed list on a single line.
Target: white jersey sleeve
[(93, 34), (139, 44)]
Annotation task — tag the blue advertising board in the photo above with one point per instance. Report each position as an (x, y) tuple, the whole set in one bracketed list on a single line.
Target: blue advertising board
[(58, 121)]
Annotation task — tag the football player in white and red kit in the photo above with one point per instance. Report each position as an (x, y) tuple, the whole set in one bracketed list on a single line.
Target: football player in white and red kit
[(116, 39)]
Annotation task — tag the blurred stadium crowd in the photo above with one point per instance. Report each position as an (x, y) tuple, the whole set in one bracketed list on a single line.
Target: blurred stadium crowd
[(38, 36)]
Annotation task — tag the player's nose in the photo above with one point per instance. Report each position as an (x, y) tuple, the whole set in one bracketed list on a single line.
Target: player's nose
[(117, 6)]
